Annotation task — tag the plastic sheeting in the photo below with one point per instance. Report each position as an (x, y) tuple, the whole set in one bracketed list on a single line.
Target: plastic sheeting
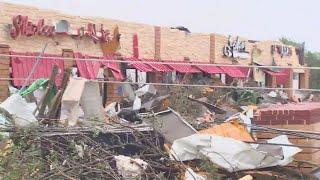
[(20, 110), (231, 154)]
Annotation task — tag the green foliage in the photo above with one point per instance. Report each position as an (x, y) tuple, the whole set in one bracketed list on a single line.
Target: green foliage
[(311, 58), (290, 42)]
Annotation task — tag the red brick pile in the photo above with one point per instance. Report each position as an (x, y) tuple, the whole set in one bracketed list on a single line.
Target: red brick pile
[(300, 113)]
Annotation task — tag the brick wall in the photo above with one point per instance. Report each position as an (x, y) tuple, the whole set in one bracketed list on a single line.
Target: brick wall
[(307, 154), (4, 72), (177, 45), (212, 48), (266, 57), (86, 46), (157, 42), (220, 42), (154, 42), (302, 117), (173, 44)]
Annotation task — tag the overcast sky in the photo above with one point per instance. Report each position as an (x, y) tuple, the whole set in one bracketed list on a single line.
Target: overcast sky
[(254, 19)]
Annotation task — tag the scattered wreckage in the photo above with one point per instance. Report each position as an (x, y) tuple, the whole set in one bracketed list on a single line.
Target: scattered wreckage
[(143, 136)]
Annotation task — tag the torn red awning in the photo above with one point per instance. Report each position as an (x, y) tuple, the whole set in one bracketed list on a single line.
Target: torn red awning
[(211, 69), (271, 73), (22, 66), (87, 68), (184, 68), (117, 75), (281, 77), (157, 67), (139, 65), (233, 72), (113, 66)]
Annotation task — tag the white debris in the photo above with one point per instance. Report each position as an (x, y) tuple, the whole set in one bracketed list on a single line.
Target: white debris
[(136, 103), (21, 111), (79, 150), (191, 175), (13, 90), (231, 154), (242, 118), (146, 89), (272, 94), (129, 167), (112, 109)]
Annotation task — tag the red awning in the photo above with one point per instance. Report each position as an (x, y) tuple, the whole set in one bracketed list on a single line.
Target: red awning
[(157, 67), (21, 67), (139, 65), (281, 77), (233, 72), (210, 69), (113, 66), (184, 68), (271, 73), (87, 68)]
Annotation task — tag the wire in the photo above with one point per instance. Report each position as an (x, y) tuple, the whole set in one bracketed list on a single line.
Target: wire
[(38, 58), (185, 85), (279, 144), (162, 62)]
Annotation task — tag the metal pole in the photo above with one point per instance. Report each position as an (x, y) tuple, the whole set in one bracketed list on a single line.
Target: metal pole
[(33, 67)]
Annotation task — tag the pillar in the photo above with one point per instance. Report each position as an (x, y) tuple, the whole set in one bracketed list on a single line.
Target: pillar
[(289, 83), (212, 47), (68, 53), (4, 72), (305, 79), (273, 81), (157, 42)]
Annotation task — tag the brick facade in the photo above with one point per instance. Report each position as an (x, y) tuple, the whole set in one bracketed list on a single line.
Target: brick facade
[(4, 72), (154, 42)]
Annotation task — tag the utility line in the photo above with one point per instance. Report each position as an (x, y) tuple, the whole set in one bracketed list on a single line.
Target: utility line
[(185, 85), (161, 62)]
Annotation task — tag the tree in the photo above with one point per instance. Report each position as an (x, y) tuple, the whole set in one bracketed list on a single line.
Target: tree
[(287, 41), (311, 58)]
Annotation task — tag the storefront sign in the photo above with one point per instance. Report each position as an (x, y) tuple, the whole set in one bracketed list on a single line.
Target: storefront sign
[(236, 49), (282, 50), (21, 26)]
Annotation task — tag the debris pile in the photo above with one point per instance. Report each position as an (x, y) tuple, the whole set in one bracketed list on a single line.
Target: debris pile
[(183, 132)]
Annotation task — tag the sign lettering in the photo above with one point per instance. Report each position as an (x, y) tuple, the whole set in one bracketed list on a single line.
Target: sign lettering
[(235, 49), (21, 26)]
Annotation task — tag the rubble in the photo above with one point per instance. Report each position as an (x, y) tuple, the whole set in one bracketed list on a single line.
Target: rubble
[(21, 110), (231, 154), (152, 133)]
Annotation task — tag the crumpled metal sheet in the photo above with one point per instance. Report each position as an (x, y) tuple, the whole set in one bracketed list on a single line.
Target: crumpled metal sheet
[(172, 126), (231, 154)]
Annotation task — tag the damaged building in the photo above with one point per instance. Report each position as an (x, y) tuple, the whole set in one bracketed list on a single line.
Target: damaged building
[(26, 32), (153, 102)]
